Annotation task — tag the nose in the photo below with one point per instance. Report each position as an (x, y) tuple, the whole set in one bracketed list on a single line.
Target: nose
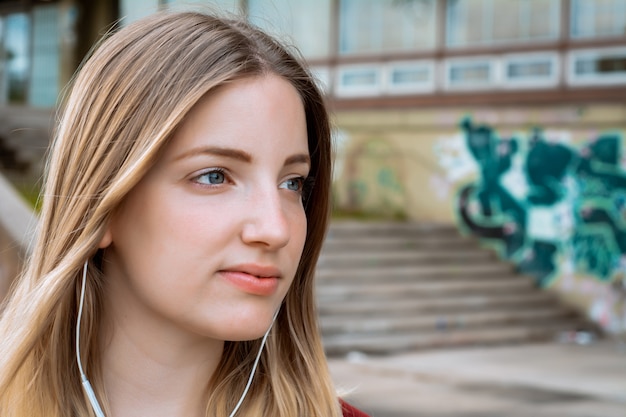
[(266, 223)]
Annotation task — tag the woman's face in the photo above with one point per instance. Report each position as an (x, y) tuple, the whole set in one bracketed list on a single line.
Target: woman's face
[(208, 243)]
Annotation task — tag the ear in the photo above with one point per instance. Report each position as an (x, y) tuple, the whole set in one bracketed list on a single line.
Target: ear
[(106, 240)]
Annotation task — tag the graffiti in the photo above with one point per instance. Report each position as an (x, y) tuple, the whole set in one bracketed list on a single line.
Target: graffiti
[(373, 177), (357, 193), (545, 203), (454, 158), (388, 179)]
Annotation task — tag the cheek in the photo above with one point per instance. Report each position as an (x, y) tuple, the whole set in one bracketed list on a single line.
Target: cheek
[(298, 240), (194, 224), (299, 228)]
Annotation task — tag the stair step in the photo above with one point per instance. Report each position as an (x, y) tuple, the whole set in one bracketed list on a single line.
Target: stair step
[(389, 287), (383, 291), (392, 277), (366, 309), (329, 275), (353, 229), (405, 258), (369, 244), (425, 322), (389, 343)]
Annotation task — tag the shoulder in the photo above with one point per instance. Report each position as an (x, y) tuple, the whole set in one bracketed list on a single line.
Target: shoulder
[(349, 411)]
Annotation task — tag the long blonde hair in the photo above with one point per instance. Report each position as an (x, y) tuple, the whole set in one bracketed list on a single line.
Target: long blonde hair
[(124, 105)]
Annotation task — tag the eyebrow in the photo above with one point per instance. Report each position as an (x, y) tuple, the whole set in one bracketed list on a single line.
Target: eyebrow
[(217, 151), (239, 155), (300, 158)]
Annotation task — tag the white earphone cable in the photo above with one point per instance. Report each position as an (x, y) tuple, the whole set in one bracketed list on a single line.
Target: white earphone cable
[(95, 405), (256, 363), (91, 395), (78, 320)]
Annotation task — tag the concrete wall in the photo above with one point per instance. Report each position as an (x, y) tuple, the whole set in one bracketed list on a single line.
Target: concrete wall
[(544, 186)]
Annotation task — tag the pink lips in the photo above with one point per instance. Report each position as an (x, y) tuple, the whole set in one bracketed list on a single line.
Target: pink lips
[(253, 279)]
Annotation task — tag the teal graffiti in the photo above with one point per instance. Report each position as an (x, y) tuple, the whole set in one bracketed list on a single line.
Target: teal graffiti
[(357, 192), (387, 179), (574, 203)]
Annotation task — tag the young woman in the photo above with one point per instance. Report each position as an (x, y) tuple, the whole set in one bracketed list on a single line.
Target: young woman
[(185, 204)]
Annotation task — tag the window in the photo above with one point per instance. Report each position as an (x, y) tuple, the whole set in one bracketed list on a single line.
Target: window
[(470, 73), (411, 77), (373, 26), (17, 53), (303, 23), (230, 5), (486, 22), (530, 70), (598, 18), (359, 80), (131, 10), (597, 66), (45, 81)]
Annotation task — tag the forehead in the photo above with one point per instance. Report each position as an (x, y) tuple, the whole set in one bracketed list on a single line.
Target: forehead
[(255, 114)]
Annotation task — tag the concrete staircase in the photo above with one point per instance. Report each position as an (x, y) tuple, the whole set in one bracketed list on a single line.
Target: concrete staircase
[(389, 287)]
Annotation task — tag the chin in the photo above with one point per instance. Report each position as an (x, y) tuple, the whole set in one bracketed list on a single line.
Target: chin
[(244, 322), (250, 330), (245, 336)]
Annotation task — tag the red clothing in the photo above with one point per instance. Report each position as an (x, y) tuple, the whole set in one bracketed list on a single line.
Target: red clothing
[(349, 411)]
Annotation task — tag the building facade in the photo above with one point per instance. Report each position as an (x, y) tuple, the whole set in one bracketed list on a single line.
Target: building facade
[(505, 118), (42, 43), (401, 76)]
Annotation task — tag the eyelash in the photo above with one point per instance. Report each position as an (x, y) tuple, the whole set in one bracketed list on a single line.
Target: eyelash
[(300, 181), (197, 178), (306, 183)]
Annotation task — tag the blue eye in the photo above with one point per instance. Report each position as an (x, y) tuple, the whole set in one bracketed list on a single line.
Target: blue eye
[(214, 177), (293, 184)]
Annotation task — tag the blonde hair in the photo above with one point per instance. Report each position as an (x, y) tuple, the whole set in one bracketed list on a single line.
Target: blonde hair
[(125, 103)]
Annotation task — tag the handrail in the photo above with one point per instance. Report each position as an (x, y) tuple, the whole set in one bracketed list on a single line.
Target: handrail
[(17, 218)]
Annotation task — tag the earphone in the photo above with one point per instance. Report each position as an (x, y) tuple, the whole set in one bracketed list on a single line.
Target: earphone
[(93, 400), (95, 405)]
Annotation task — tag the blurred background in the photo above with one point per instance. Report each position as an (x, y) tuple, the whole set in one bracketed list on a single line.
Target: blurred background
[(480, 176)]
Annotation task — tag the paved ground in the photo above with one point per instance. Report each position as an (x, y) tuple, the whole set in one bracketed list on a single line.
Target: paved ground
[(543, 380)]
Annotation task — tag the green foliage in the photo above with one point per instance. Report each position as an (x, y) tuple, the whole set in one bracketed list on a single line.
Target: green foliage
[(30, 191)]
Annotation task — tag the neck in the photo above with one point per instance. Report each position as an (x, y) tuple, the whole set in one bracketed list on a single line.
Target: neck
[(150, 372)]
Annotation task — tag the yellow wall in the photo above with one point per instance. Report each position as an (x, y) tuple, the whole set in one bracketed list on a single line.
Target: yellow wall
[(394, 160)]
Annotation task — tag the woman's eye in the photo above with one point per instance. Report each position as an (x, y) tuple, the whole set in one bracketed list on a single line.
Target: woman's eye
[(214, 177), (293, 184)]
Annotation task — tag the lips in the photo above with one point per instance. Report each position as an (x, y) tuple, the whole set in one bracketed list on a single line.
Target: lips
[(253, 279)]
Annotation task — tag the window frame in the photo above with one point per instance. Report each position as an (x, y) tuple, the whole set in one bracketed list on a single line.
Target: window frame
[(488, 10), (575, 80), (340, 51), (531, 82), (411, 88), (575, 7), (491, 83), (346, 91)]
